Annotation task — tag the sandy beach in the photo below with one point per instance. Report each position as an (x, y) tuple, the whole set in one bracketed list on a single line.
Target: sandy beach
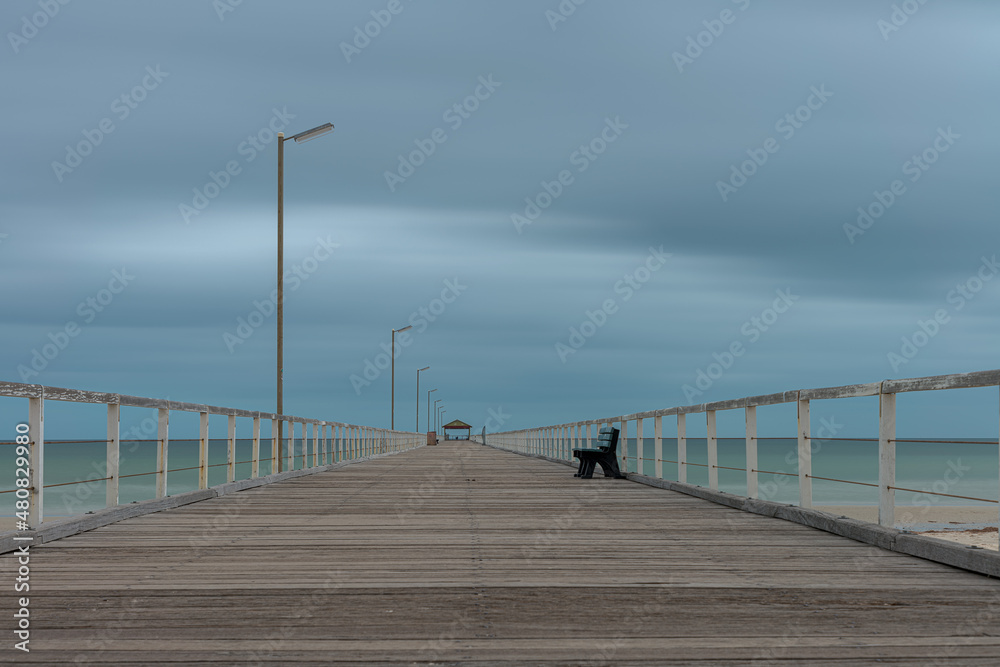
[(973, 526), (921, 518)]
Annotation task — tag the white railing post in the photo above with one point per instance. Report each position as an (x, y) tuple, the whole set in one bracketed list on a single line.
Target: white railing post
[(316, 428), (162, 451), (255, 471), (805, 456), (231, 450), (886, 459), (307, 430), (658, 445), (203, 451), (623, 445), (325, 444), (682, 450), (589, 435), (751, 414), (305, 444), (114, 447), (638, 447), (36, 429), (291, 446), (713, 451), (275, 444)]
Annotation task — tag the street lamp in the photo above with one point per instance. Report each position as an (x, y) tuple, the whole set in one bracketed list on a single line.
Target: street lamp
[(443, 413), (418, 395), (299, 138), (436, 408), (392, 400), (429, 392)]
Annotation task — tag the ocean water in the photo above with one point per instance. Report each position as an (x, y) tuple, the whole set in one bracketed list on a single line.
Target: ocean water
[(956, 469), (76, 467)]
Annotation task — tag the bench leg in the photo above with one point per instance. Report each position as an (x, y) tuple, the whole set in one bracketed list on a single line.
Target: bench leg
[(588, 471), (610, 467)]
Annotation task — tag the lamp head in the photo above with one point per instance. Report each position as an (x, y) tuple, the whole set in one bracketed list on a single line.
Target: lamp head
[(309, 135)]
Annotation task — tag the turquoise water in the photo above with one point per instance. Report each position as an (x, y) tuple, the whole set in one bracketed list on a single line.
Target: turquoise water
[(82, 463), (956, 469)]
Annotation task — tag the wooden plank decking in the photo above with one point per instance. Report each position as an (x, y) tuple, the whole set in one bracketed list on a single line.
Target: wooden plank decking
[(465, 554)]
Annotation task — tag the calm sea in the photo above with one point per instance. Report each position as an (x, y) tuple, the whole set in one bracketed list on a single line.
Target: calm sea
[(76, 465), (955, 469)]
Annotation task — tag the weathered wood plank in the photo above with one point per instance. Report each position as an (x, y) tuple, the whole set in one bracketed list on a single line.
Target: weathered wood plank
[(846, 391), (957, 381), (18, 390), (79, 396), (462, 553)]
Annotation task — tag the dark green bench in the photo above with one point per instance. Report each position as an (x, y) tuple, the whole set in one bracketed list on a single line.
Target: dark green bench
[(606, 455)]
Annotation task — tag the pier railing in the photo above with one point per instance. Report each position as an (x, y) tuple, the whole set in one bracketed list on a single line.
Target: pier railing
[(558, 441), (324, 442)]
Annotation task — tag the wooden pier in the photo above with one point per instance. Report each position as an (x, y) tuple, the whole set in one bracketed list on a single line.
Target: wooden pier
[(465, 554)]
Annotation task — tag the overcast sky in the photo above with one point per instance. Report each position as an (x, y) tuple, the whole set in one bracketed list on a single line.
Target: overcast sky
[(579, 211)]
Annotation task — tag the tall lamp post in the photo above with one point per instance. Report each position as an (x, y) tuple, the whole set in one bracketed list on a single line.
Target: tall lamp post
[(418, 395), (392, 400), (299, 138), (436, 415), (443, 412), (429, 392)]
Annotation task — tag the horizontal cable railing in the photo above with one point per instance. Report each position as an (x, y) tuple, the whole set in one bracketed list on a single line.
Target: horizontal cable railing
[(317, 443), (558, 441)]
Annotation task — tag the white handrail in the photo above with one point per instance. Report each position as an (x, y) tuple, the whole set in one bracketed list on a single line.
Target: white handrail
[(355, 441), (557, 441)]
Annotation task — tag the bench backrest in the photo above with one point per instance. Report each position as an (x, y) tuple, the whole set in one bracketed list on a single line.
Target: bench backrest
[(608, 437)]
